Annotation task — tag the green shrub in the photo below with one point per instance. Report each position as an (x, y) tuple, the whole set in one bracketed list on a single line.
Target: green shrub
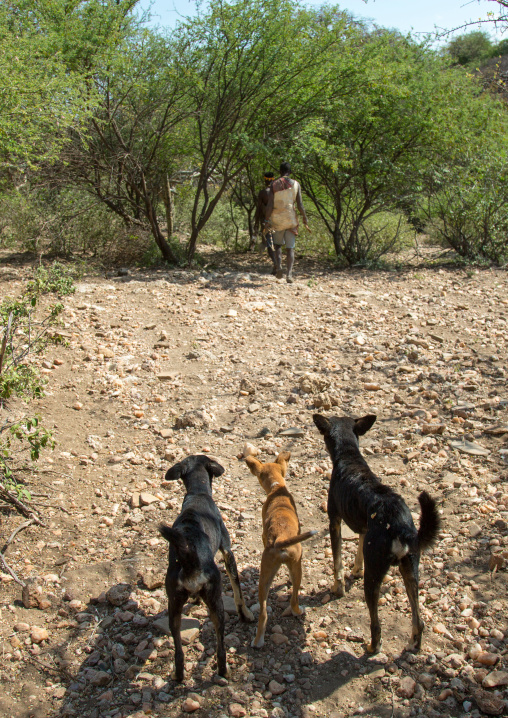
[(68, 223), (367, 240), (24, 330), (56, 278), (469, 213), (227, 228), (17, 439)]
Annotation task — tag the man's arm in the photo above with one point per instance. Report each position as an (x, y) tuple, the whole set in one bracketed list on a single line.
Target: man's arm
[(301, 209)]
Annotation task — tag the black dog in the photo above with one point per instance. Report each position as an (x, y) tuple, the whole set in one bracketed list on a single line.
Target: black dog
[(195, 537), (388, 536)]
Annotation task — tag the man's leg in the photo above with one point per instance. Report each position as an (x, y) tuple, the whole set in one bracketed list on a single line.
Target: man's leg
[(278, 261), (290, 260), (271, 254), (271, 251), (278, 238), (290, 240)]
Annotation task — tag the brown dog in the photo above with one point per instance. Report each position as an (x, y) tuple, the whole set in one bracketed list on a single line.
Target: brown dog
[(281, 536)]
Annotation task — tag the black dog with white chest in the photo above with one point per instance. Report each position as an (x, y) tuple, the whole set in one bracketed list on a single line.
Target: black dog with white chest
[(195, 537), (388, 536)]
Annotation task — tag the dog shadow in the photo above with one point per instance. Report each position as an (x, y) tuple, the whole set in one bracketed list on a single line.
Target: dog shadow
[(127, 656), (117, 661)]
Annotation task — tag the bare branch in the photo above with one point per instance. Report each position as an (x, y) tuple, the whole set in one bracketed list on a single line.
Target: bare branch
[(22, 508)]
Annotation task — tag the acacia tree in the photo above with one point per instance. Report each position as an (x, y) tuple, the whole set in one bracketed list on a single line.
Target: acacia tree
[(136, 135), (253, 70), (123, 153), (39, 96), (366, 154), (464, 197), (471, 47), (49, 50)]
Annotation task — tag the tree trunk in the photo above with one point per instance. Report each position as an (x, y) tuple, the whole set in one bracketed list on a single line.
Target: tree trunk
[(170, 211), (337, 234), (252, 238), (163, 245), (191, 247), (160, 240)]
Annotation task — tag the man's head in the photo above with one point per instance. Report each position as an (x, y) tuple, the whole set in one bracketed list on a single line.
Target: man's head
[(269, 177), (285, 169)]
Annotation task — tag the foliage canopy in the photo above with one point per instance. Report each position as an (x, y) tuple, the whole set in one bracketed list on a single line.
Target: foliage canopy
[(96, 103)]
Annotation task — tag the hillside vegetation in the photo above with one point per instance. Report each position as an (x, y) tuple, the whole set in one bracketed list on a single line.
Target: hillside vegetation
[(129, 142)]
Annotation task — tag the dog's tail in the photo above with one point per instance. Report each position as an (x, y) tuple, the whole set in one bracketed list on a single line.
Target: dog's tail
[(186, 553), (430, 521), (295, 539)]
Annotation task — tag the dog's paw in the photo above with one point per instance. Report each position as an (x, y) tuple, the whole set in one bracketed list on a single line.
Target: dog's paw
[(290, 611), (411, 647), (373, 649), (357, 572), (339, 588), (177, 676), (259, 644), (246, 614)]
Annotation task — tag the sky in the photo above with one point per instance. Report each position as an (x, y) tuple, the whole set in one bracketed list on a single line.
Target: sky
[(417, 16)]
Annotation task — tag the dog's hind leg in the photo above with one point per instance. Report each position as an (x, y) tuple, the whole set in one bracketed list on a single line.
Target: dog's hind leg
[(409, 570), (232, 571), (269, 567), (358, 565), (212, 596), (295, 572), (338, 569), (176, 602), (377, 562), (372, 587)]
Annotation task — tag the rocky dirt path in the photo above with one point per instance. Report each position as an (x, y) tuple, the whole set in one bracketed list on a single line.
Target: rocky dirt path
[(159, 365)]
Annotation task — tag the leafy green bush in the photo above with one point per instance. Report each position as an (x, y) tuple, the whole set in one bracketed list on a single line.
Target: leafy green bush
[(227, 228), (24, 331), (366, 241), (68, 223), (317, 242), (23, 381), (56, 278), (471, 48), (20, 437), (469, 213), (151, 256), (383, 233)]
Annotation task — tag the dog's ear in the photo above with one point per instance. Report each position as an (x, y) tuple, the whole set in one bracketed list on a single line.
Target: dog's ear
[(364, 424), (253, 464), (282, 459), (174, 473), (322, 423), (214, 468)]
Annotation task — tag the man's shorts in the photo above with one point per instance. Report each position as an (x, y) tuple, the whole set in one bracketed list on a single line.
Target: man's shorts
[(286, 237)]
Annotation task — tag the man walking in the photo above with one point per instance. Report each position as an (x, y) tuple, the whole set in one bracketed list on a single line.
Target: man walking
[(281, 217), (259, 219)]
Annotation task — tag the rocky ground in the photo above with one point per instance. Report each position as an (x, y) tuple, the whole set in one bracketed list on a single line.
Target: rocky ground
[(162, 364)]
